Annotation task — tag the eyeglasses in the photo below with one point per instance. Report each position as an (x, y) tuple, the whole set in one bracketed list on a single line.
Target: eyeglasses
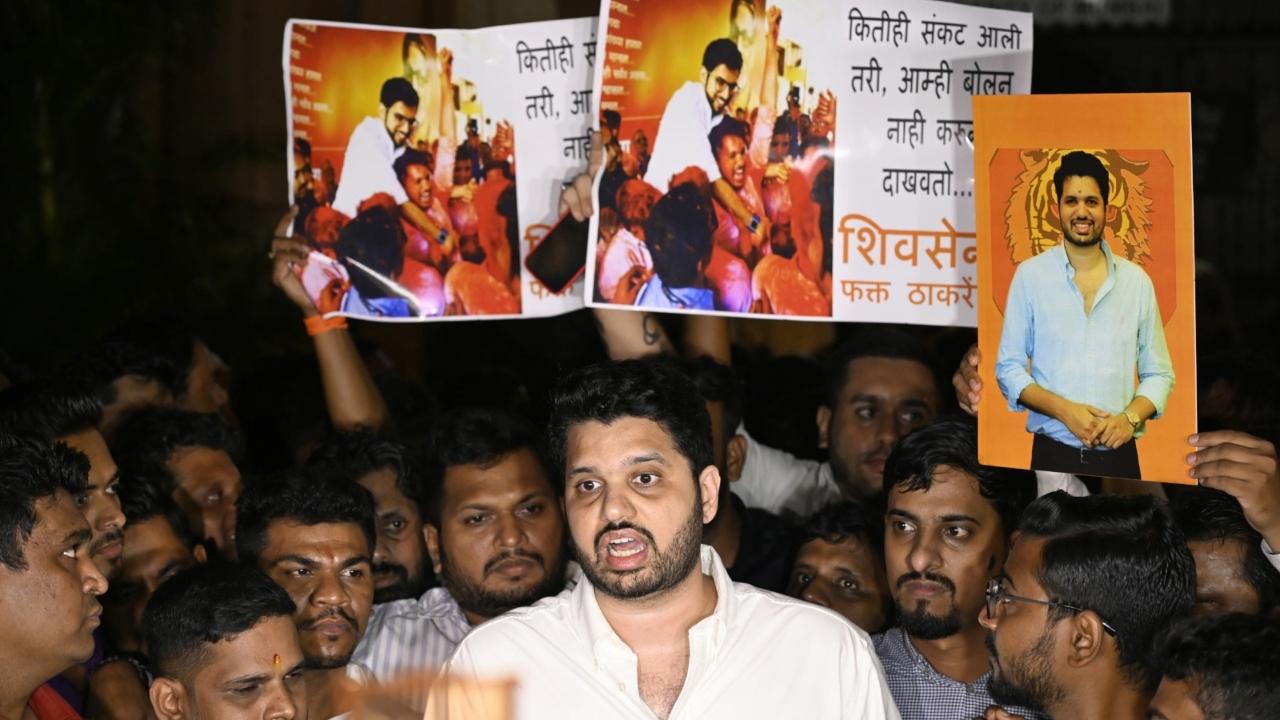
[(997, 598)]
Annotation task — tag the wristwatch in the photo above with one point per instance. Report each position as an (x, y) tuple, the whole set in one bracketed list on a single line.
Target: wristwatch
[(1133, 418)]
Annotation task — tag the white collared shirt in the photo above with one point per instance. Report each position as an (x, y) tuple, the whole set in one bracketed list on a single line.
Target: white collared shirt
[(367, 168), (682, 137), (758, 655)]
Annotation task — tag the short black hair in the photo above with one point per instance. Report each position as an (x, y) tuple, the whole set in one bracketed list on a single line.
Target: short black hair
[(143, 498), (612, 118), (844, 520), (1208, 515), (1121, 557), (148, 438), (397, 89), (678, 235), (203, 605), (875, 342), (1230, 661), (32, 470), (375, 239), (352, 454), (157, 346), (412, 156), (722, 52), (308, 497), (48, 409), (653, 389), (1079, 163), (953, 441), (727, 127), (472, 436)]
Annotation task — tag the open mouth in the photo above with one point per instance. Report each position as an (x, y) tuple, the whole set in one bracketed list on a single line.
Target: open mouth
[(625, 549)]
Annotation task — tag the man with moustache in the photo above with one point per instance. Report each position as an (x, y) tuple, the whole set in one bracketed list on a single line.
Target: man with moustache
[(947, 525), (1077, 322), (48, 583), (224, 646), (880, 386), (391, 475), (495, 536), (314, 535), (1088, 584), (658, 628)]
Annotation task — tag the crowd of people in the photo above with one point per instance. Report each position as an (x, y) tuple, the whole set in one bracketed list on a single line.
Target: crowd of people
[(732, 209), (167, 552), (416, 223)]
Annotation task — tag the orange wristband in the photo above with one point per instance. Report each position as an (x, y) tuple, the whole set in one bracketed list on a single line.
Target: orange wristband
[(319, 324)]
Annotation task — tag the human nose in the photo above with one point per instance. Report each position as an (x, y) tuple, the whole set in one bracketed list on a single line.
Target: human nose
[(509, 532), (923, 555), (328, 590), (816, 592), (92, 581), (112, 517), (617, 506), (282, 705)]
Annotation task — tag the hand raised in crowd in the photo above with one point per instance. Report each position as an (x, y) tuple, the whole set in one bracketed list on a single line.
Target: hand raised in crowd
[(1114, 431), (502, 145), (576, 196), (774, 18), (288, 256), (445, 57), (777, 171), (824, 116), (1244, 467), (629, 285), (967, 383)]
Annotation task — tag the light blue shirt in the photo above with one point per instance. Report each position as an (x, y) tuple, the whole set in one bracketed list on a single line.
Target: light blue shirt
[(656, 295), (1048, 340)]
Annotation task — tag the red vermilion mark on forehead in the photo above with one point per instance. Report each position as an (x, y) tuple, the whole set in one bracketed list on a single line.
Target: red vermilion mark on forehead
[(275, 660)]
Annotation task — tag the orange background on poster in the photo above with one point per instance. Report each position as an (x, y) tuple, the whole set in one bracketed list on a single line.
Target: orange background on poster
[(668, 58), (353, 63), (1161, 123)]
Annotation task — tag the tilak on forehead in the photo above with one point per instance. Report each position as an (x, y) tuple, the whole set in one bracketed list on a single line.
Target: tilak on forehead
[(275, 660)]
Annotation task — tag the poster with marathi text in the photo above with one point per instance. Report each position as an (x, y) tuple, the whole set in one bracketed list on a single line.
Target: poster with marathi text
[(426, 165), (795, 159)]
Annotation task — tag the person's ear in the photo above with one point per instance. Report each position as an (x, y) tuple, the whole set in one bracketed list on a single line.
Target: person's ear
[(702, 76), (1086, 640), (824, 426), (709, 484), (1055, 215), (200, 554), (735, 458), (382, 110), (168, 699), (431, 535), (1112, 213)]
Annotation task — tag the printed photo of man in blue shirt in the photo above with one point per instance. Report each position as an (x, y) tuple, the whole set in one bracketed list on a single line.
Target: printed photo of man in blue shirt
[(1078, 323)]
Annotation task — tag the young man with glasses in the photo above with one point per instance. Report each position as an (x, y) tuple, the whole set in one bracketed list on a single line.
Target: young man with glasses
[(1088, 584)]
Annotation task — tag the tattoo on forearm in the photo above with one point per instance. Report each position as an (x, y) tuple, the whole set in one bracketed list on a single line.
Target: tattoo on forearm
[(652, 330)]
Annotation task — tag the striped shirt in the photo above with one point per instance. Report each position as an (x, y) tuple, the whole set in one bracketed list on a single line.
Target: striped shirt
[(923, 693)]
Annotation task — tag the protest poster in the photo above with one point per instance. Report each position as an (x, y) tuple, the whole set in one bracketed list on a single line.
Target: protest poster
[(427, 165), (830, 146), (1087, 284)]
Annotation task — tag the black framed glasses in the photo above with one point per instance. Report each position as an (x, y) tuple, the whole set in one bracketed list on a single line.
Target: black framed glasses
[(997, 598)]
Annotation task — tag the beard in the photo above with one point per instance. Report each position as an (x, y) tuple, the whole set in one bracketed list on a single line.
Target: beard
[(920, 623), (474, 597), (1086, 243), (322, 661), (404, 586), (1027, 679), (665, 570)]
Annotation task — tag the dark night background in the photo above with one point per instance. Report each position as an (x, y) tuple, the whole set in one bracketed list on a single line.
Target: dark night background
[(143, 168)]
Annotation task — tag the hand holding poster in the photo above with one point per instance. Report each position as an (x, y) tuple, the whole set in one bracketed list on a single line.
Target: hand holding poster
[(405, 146), (732, 185), (1087, 324)]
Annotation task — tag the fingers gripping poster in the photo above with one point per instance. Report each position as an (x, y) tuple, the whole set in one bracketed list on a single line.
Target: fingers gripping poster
[(793, 158), (426, 165)]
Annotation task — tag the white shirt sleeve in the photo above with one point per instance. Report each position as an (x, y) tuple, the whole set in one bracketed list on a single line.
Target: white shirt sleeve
[(682, 138), (1048, 481), (367, 169), (778, 481), (1272, 556)]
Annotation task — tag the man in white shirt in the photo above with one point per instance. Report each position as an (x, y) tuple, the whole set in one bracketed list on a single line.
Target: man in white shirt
[(657, 629), (686, 124), (495, 534), (880, 386), (375, 144)]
